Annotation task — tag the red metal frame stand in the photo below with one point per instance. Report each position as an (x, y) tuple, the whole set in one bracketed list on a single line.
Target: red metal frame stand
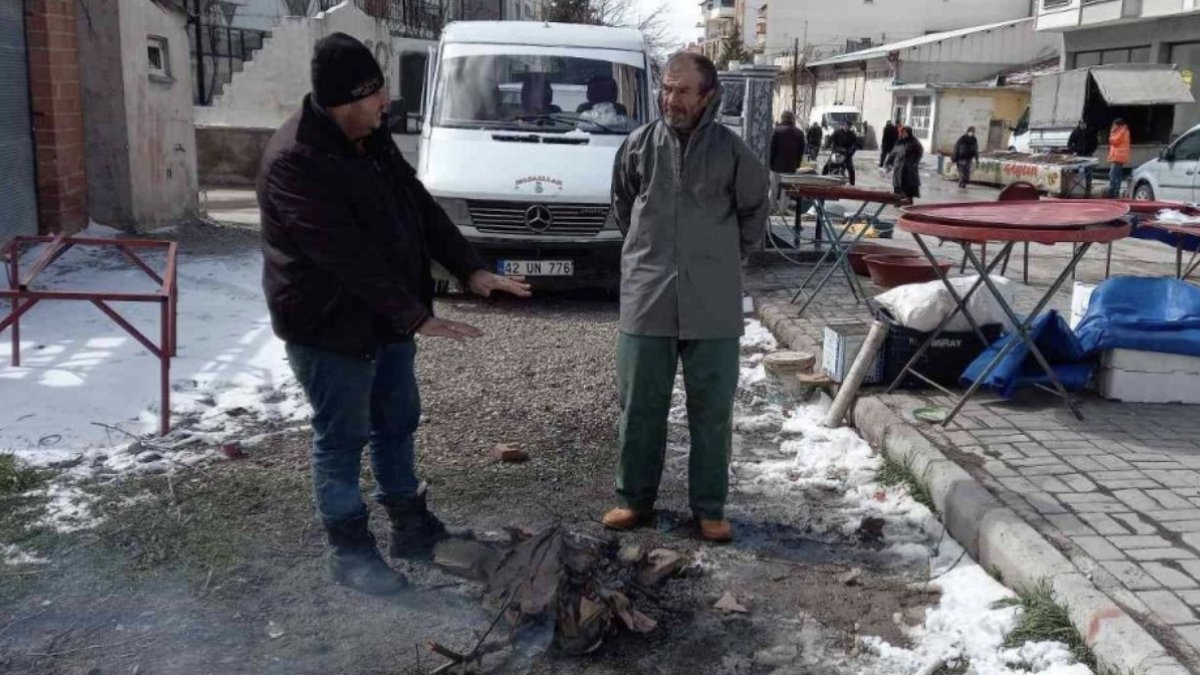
[(23, 297)]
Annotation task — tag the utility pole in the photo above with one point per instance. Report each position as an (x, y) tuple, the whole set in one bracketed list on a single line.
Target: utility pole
[(796, 77)]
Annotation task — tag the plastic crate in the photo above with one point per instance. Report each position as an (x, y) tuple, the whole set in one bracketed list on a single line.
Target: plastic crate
[(944, 361), (841, 346)]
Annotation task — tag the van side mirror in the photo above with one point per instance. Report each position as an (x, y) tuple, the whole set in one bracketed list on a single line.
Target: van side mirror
[(1166, 155)]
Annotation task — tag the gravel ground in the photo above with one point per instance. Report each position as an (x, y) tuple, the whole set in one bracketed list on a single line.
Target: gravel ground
[(220, 570)]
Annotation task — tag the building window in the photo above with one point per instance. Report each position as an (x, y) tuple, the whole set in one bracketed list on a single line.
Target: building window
[(1110, 56), (900, 110), (918, 119), (158, 59), (1054, 4)]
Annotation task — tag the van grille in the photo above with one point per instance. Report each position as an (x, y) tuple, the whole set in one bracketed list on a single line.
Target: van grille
[(568, 220)]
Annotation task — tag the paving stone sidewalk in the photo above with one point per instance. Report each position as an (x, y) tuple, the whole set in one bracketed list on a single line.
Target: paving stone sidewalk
[(1118, 493)]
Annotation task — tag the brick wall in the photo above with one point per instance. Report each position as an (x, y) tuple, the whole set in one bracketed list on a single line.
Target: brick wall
[(57, 114)]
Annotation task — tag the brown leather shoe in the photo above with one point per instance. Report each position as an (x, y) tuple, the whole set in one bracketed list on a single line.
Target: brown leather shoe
[(622, 518), (718, 531)]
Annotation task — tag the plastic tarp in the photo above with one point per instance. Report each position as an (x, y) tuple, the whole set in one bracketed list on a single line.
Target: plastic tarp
[(1188, 242), (1150, 314), (1125, 85), (1019, 368)]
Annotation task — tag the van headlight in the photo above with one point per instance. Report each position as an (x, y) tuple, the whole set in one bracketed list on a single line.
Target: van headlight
[(456, 209)]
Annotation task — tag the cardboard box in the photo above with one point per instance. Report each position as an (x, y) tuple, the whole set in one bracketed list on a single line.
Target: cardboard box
[(1148, 377), (841, 346)]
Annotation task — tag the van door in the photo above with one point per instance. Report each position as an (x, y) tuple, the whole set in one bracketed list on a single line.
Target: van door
[(1177, 175)]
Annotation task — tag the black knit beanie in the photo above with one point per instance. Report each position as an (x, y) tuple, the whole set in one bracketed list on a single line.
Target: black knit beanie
[(343, 71)]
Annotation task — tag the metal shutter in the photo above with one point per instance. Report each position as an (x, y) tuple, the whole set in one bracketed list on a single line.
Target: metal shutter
[(18, 198)]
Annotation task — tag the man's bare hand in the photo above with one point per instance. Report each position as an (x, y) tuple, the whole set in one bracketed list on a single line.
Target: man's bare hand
[(485, 283), (459, 332)]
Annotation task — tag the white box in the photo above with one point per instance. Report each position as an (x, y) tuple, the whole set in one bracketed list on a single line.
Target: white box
[(1135, 376), (1081, 296), (841, 346)]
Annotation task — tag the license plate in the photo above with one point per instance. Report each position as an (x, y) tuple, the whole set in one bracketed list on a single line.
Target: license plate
[(536, 268)]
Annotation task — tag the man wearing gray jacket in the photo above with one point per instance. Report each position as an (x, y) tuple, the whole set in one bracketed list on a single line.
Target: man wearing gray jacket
[(692, 201)]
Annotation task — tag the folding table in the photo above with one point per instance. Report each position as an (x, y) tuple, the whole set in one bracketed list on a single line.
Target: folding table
[(838, 246), (1077, 222), (1182, 237)]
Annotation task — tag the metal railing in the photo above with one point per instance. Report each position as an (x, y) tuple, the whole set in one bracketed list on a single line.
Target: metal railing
[(217, 45), (408, 18)]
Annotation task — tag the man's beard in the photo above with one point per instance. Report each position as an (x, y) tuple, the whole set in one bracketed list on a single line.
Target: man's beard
[(679, 122)]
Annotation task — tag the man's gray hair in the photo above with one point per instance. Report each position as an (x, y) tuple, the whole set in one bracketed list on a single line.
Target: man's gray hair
[(702, 64)]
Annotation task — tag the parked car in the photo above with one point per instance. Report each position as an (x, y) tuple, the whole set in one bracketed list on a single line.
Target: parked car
[(1172, 176)]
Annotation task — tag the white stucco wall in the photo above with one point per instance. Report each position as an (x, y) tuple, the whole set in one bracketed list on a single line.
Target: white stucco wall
[(275, 80), (830, 23), (141, 146), (162, 138)]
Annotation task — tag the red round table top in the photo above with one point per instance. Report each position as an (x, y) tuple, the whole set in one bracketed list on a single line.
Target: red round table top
[(1036, 215), (1151, 208), (816, 191), (984, 232)]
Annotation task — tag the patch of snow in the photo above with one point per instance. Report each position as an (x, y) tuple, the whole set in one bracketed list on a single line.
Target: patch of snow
[(86, 389), (837, 463), (12, 555), (757, 337)]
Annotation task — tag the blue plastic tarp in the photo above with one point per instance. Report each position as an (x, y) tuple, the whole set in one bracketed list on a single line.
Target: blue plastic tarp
[(1019, 368), (1188, 242), (1151, 314)]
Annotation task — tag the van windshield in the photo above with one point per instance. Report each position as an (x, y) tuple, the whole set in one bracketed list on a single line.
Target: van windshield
[(836, 119), (539, 92)]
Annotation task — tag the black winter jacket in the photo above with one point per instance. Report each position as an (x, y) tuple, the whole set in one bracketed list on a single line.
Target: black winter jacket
[(966, 149), (347, 238)]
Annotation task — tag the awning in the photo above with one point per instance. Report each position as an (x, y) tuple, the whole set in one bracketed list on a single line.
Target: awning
[(1142, 86), (1057, 99)]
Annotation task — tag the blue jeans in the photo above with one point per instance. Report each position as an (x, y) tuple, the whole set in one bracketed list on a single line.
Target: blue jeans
[(1116, 175), (357, 402)]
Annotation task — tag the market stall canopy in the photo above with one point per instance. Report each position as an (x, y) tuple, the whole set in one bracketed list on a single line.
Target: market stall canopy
[(1058, 99), (1142, 86)]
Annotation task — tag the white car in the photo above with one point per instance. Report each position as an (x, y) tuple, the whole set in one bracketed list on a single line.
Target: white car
[(1172, 176)]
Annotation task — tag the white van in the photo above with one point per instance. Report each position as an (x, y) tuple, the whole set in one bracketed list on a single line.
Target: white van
[(522, 123), (831, 118)]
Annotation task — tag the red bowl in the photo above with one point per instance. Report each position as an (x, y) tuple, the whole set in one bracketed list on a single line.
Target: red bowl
[(889, 271), (865, 248)]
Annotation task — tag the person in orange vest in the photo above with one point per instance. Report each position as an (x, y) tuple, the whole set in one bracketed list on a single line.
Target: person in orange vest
[(1118, 156)]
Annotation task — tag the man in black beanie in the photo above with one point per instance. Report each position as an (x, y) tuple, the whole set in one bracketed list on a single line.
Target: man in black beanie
[(348, 239)]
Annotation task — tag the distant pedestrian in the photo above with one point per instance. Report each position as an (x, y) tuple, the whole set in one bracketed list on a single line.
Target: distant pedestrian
[(1119, 149), (691, 199), (887, 142), (787, 151), (815, 136), (905, 161), (845, 141), (966, 153)]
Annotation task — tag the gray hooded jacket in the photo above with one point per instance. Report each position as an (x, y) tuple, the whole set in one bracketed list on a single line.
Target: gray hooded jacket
[(689, 218)]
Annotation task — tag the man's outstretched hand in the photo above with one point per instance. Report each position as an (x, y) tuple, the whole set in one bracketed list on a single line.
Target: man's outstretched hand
[(459, 332), (484, 283)]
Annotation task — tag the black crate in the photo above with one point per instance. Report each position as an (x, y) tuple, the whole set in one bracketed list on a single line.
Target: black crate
[(944, 361)]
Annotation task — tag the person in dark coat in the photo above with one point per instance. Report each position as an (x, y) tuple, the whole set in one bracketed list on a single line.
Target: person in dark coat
[(846, 141), (815, 136), (787, 151), (1082, 142), (905, 162), (966, 155), (348, 238), (887, 142)]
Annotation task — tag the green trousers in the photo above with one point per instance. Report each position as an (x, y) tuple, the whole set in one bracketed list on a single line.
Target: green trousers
[(646, 368)]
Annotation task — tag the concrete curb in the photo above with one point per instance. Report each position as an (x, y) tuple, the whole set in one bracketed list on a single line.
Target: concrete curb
[(995, 535)]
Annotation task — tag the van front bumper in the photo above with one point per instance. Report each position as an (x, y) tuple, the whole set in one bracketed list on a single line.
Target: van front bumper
[(595, 263)]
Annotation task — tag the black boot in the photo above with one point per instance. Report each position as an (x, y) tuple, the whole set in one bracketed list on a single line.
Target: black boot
[(415, 531), (355, 562)]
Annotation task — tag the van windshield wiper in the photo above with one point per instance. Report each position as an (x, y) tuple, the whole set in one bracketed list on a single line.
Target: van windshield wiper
[(569, 118)]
